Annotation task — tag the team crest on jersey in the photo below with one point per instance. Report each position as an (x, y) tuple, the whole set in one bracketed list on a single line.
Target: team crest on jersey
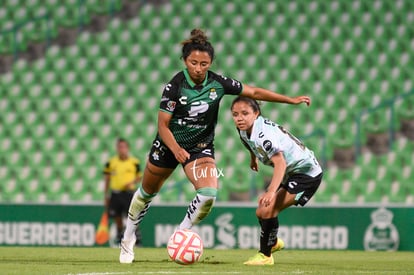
[(156, 155), (202, 145), (213, 94), (267, 145), (171, 105)]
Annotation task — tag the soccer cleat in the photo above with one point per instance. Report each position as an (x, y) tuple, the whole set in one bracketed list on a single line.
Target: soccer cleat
[(127, 251), (260, 259), (280, 244)]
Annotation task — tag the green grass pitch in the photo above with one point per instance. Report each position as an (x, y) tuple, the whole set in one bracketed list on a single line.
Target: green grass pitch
[(104, 261)]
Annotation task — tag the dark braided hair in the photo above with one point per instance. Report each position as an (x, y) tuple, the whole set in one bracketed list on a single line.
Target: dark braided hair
[(250, 101), (198, 41)]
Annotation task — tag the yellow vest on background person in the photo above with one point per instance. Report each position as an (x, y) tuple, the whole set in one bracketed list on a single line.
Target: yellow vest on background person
[(122, 172)]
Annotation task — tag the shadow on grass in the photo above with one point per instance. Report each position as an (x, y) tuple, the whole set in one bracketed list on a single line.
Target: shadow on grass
[(211, 260)]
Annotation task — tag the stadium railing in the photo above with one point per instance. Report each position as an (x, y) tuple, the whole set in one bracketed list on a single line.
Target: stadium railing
[(386, 104), (14, 45), (16, 31)]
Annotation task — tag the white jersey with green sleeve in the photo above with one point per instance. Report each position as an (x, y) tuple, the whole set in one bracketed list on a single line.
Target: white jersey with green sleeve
[(268, 138)]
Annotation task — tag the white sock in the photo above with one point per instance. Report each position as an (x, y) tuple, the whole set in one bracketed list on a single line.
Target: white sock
[(140, 203), (198, 209)]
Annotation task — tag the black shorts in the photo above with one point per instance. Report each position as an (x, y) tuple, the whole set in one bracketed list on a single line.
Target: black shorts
[(161, 156), (119, 203), (303, 186)]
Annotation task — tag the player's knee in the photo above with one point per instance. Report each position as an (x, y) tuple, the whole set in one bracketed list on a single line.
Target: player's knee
[(265, 212)]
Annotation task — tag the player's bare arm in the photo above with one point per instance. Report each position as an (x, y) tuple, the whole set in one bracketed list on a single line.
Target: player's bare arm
[(266, 95), (279, 167), (168, 138), (254, 163)]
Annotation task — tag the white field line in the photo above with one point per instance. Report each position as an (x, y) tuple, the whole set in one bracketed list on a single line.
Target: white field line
[(100, 273), (225, 272), (178, 272), (153, 272)]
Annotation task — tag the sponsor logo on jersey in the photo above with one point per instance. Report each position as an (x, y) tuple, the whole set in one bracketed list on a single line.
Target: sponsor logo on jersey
[(171, 105), (381, 234), (183, 100), (198, 107), (168, 87), (213, 94), (267, 145), (235, 83)]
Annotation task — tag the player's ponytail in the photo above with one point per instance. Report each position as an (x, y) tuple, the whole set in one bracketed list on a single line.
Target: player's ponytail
[(250, 101), (198, 41)]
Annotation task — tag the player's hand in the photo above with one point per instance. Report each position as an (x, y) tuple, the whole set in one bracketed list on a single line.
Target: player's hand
[(181, 155), (130, 186), (301, 99), (267, 199), (254, 165)]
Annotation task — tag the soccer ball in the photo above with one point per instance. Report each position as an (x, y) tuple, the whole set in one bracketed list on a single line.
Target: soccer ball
[(185, 247)]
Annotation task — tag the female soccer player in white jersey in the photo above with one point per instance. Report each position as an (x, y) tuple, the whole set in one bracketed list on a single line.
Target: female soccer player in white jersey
[(186, 121), (296, 172)]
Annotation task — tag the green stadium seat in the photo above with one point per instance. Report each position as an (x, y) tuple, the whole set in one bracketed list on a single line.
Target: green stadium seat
[(373, 193), (172, 193), (348, 55), (325, 192), (7, 43), (9, 193), (32, 189), (397, 193)]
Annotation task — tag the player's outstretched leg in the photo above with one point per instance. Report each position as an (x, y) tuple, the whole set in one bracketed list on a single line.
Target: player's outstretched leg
[(199, 208), (140, 203), (152, 181)]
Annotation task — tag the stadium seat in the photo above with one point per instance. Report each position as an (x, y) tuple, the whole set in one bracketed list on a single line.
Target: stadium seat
[(71, 104)]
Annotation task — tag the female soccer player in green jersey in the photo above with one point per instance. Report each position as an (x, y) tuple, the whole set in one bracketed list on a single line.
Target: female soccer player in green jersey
[(296, 172), (186, 121)]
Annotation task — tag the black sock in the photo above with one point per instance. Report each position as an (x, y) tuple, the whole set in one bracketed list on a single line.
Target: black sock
[(268, 235), (119, 233)]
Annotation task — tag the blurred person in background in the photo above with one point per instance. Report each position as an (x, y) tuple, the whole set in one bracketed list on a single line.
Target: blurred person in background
[(122, 174)]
